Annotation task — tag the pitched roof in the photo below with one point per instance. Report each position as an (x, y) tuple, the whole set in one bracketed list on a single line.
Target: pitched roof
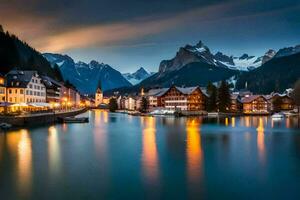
[(49, 82), (187, 90), (251, 98), (19, 79), (157, 92)]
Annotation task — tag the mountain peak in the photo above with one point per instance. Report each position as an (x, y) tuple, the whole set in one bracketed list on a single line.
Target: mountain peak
[(244, 56), (94, 62)]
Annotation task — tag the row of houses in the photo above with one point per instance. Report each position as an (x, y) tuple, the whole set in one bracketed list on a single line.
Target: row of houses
[(195, 99), (29, 88)]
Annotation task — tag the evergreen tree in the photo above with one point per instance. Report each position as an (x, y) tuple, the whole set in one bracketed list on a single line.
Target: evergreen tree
[(296, 94), (224, 99), (113, 105), (211, 103), (277, 104), (144, 105)]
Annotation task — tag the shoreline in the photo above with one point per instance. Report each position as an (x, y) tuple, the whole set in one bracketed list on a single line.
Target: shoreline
[(39, 119)]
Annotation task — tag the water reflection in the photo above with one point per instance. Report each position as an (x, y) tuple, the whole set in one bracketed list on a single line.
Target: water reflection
[(194, 150), (54, 152), (149, 155), (19, 144), (261, 140)]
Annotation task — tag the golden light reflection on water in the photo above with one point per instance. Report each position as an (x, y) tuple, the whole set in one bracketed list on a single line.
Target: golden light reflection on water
[(261, 139), (194, 150), (226, 121), (54, 151), (233, 122), (149, 154), (19, 144)]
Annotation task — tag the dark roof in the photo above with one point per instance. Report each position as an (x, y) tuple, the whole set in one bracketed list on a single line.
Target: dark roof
[(18, 78), (50, 83), (252, 98), (157, 92)]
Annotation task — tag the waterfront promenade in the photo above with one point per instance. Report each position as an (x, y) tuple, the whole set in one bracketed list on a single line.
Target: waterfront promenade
[(40, 118)]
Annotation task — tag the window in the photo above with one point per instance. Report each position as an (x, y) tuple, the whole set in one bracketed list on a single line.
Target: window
[(16, 91), (21, 91), (30, 85)]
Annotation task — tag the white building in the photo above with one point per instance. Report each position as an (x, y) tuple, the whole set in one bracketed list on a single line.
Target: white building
[(130, 103), (98, 95), (25, 87)]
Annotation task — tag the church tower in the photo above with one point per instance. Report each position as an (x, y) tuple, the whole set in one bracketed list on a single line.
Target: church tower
[(98, 95)]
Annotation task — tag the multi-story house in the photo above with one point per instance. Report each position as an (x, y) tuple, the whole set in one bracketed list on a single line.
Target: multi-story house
[(285, 102), (25, 87), (154, 97), (256, 104), (184, 98), (2, 89), (53, 90), (236, 103), (130, 103)]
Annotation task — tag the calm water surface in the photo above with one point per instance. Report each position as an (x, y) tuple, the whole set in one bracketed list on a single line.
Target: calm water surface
[(116, 156)]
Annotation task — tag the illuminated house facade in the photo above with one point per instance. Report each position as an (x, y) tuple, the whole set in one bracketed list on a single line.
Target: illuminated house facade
[(154, 97), (2, 89), (286, 102), (255, 104), (184, 98), (98, 95), (25, 87)]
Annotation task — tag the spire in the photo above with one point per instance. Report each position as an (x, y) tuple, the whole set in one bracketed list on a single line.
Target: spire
[(99, 87)]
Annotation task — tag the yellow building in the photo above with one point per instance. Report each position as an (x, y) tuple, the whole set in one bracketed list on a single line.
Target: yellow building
[(2, 89), (98, 95), (25, 87)]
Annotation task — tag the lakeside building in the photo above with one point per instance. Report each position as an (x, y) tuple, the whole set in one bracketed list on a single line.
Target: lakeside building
[(130, 103), (236, 103), (154, 97), (256, 104), (69, 96), (286, 102), (2, 89), (98, 95), (184, 99), (25, 87), (53, 90)]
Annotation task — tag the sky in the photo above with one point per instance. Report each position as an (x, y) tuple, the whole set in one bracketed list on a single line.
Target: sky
[(128, 34)]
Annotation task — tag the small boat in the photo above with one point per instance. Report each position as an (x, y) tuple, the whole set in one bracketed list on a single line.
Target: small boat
[(213, 114), (277, 116), (75, 120), (5, 126)]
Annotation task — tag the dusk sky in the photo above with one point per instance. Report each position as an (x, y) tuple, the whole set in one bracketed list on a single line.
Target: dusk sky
[(128, 34)]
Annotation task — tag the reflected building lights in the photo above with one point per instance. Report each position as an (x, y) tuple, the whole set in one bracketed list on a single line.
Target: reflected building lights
[(24, 163), (53, 151), (233, 122), (150, 154), (226, 121), (194, 151), (261, 139)]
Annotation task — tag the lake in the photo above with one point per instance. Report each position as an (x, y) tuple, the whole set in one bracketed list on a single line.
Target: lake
[(117, 156)]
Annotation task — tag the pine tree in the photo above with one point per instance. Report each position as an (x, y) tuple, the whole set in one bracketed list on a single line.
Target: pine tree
[(144, 105), (113, 105), (212, 97), (296, 94), (224, 100)]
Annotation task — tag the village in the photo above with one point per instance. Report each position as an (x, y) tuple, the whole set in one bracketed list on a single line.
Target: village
[(29, 92)]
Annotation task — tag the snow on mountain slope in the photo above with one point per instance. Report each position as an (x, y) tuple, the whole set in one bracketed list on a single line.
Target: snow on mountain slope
[(137, 77)]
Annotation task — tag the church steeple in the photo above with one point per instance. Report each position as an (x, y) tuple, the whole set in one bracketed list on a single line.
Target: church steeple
[(99, 87), (99, 94)]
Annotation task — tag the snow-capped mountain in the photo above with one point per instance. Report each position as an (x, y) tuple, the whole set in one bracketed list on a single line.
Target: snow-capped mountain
[(137, 77), (288, 51), (243, 63), (85, 76), (201, 53)]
